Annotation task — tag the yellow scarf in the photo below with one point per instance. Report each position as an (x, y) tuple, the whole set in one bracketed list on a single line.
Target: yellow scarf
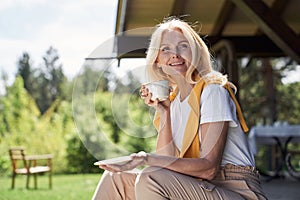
[(190, 144)]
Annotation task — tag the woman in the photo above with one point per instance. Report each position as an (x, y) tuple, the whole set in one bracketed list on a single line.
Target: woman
[(202, 151)]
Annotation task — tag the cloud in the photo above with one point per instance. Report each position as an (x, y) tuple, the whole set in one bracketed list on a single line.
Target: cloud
[(6, 4), (74, 28), (292, 76)]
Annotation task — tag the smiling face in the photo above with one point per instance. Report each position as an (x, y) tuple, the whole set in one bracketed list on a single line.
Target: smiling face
[(175, 53)]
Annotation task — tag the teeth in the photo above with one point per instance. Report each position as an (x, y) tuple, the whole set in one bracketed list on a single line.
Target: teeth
[(179, 63)]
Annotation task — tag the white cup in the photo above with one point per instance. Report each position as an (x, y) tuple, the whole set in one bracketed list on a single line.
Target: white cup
[(159, 89)]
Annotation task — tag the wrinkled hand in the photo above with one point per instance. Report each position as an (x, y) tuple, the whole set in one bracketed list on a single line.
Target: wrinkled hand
[(137, 159), (160, 106)]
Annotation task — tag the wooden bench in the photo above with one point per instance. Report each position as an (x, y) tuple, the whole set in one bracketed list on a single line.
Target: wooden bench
[(29, 165)]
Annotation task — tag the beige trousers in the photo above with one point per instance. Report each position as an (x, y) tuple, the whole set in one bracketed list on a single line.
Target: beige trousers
[(232, 182)]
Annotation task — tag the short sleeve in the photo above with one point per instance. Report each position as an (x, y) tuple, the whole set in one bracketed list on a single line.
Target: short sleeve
[(216, 105)]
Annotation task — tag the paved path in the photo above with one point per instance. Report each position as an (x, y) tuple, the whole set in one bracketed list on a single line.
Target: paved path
[(282, 189)]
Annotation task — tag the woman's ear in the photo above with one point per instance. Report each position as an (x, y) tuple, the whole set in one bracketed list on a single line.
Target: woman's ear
[(157, 64)]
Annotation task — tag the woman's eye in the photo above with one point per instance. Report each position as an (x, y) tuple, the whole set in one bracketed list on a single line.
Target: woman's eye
[(183, 46), (163, 49)]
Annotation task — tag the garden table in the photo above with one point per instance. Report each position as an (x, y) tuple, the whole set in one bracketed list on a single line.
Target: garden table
[(280, 135)]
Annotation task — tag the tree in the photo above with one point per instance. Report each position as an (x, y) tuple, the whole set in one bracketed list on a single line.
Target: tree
[(266, 99), (44, 84), (3, 82), (90, 81), (18, 115), (262, 90), (19, 110), (49, 81), (53, 73), (288, 106), (127, 84), (25, 71), (21, 124)]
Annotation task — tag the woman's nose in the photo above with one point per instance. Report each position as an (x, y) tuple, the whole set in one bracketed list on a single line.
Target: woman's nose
[(176, 54)]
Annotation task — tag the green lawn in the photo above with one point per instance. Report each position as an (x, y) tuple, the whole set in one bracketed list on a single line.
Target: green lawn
[(64, 187)]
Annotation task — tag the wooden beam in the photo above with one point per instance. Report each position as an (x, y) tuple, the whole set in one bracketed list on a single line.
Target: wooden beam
[(223, 18), (134, 46), (272, 25), (121, 17), (258, 46), (277, 7), (178, 8)]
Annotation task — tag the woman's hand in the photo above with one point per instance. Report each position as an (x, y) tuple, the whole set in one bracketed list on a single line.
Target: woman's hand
[(160, 106), (137, 159)]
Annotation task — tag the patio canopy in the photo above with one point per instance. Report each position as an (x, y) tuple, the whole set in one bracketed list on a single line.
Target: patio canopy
[(253, 28)]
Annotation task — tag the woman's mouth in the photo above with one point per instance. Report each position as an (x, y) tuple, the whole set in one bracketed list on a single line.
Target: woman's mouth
[(177, 63)]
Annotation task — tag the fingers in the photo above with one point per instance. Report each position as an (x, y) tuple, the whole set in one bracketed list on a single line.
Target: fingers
[(146, 95), (139, 155), (112, 168), (137, 160), (120, 168), (107, 167), (142, 154), (144, 91)]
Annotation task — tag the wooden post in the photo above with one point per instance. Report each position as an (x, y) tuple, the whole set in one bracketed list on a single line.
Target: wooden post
[(269, 89), (271, 116)]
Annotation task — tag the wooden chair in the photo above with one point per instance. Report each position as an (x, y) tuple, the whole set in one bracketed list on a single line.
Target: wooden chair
[(28, 165)]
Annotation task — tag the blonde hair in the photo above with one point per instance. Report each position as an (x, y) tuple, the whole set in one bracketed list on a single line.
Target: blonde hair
[(201, 59)]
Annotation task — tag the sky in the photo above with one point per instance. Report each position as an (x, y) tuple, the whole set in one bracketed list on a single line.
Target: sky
[(73, 27)]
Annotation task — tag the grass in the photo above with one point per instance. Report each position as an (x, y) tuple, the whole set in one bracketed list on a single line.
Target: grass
[(64, 187)]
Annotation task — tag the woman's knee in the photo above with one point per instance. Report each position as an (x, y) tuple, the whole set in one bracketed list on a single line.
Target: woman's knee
[(116, 180), (105, 177), (116, 186), (148, 175), (147, 184)]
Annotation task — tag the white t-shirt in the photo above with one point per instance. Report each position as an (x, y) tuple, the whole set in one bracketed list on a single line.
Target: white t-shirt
[(216, 105)]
